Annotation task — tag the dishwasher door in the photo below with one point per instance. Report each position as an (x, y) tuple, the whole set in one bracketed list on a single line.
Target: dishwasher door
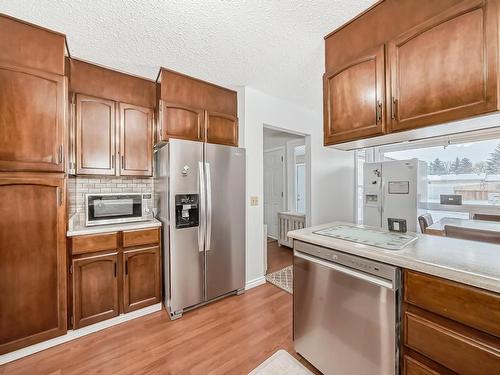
[(345, 320)]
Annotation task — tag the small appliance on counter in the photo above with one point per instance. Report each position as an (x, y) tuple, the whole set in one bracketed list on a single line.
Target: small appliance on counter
[(117, 208)]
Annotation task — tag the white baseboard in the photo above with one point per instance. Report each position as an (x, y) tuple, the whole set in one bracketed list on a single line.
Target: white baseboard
[(255, 282), (71, 335)]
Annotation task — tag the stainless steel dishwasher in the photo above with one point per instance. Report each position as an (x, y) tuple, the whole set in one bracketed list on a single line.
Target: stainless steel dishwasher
[(345, 312)]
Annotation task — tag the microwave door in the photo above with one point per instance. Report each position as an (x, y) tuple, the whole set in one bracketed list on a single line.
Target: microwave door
[(109, 208)]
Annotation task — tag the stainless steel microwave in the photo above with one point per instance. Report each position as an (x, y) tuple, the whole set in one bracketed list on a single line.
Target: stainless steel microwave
[(114, 208)]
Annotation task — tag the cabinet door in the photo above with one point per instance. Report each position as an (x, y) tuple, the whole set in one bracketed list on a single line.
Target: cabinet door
[(413, 367), (32, 260), (136, 140), (32, 110), (221, 128), (354, 99), (141, 279), (181, 122), (95, 135), (445, 69), (95, 289)]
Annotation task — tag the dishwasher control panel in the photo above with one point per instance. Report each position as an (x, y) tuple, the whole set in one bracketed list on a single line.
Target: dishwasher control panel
[(362, 264)]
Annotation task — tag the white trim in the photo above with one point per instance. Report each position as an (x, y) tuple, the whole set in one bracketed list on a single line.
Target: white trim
[(75, 334), (255, 282)]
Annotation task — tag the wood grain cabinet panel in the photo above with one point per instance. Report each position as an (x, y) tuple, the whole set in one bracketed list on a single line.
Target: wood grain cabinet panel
[(136, 140), (94, 242), (32, 259), (181, 122), (413, 367), (141, 237), (354, 99), (141, 279), (445, 68), (473, 307), (32, 120), (95, 289), (221, 129), (95, 135), (443, 343)]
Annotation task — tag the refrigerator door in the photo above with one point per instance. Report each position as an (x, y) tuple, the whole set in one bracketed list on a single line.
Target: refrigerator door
[(372, 194), (225, 228), (399, 183), (186, 255)]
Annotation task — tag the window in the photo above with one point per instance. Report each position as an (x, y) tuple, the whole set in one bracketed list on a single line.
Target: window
[(465, 165)]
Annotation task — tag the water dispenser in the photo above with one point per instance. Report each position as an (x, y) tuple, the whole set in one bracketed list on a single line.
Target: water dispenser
[(186, 210)]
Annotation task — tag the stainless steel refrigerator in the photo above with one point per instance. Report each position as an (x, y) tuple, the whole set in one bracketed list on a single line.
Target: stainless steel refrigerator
[(200, 199)]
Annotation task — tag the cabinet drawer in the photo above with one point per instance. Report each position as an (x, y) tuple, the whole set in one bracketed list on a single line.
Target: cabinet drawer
[(414, 367), (141, 237), (93, 243), (451, 348), (471, 306)]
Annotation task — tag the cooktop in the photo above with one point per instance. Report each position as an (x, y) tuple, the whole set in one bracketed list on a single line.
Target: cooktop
[(369, 236)]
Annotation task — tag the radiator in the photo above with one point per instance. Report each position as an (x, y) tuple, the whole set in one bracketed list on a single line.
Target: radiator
[(288, 221)]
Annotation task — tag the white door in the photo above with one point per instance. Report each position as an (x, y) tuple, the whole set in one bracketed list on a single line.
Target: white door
[(273, 189), (300, 187)]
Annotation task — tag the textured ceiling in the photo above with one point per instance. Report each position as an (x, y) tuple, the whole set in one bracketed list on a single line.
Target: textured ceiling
[(272, 45)]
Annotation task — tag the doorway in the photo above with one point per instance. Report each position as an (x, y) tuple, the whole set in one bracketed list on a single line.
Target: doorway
[(285, 164)]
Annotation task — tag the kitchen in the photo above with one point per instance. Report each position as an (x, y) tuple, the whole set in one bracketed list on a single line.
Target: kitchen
[(99, 290)]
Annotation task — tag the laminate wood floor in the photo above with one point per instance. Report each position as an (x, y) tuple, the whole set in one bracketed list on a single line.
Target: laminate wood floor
[(230, 336), (278, 257)]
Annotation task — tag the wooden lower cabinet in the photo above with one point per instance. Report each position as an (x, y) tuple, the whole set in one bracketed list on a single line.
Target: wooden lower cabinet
[(412, 366), (444, 323), (32, 259), (114, 273), (95, 289), (141, 278)]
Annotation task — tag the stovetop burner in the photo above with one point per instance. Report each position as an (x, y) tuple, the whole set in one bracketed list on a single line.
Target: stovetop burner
[(369, 236)]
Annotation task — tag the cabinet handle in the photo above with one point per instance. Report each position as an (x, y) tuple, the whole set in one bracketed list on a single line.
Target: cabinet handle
[(123, 162), (115, 269), (61, 154), (394, 108), (379, 111), (113, 161), (126, 267)]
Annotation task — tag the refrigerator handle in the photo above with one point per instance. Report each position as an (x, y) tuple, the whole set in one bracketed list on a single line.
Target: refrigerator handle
[(201, 225), (209, 207)]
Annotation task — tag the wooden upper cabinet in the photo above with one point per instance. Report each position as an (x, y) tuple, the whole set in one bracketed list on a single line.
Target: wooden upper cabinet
[(95, 289), (32, 259), (95, 135), (354, 99), (178, 121), (196, 110), (221, 128), (445, 68), (141, 279), (32, 120), (136, 140), (32, 97)]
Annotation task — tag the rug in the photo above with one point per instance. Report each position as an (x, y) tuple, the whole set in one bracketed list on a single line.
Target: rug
[(281, 363), (282, 279)]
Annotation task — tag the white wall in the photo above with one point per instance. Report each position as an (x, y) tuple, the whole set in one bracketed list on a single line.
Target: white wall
[(331, 173)]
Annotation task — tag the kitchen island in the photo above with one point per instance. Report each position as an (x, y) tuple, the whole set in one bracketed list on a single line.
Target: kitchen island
[(469, 262), (439, 297)]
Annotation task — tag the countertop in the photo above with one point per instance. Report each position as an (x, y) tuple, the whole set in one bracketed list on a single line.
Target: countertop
[(77, 229), (468, 262), (465, 223)]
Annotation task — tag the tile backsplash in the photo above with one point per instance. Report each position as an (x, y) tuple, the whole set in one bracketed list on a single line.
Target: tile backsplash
[(79, 186)]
